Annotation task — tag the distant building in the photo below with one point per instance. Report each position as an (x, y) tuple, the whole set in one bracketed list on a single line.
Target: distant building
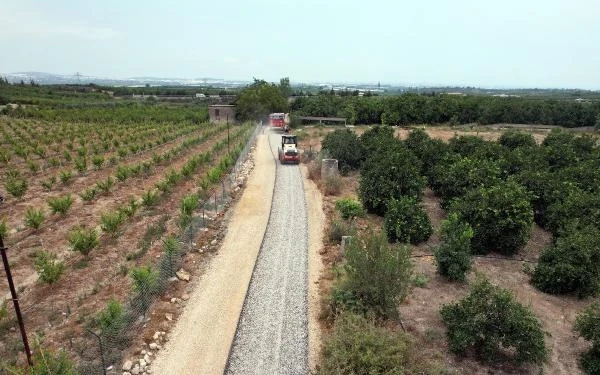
[(221, 113)]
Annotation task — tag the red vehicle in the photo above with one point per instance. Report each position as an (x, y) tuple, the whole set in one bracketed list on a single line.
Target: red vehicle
[(277, 120)]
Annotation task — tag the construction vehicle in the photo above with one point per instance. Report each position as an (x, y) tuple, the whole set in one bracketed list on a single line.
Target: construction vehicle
[(288, 152)]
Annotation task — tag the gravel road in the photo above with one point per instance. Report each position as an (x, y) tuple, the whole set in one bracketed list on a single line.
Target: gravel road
[(272, 332)]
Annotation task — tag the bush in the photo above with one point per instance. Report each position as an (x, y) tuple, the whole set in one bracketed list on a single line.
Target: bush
[(349, 208), (588, 327), (98, 161), (377, 139), (501, 217), (387, 175), (110, 221), (66, 177), (47, 362), (406, 221), (3, 228), (88, 194), (340, 228), (49, 269), (188, 204), (571, 264), (171, 249), (358, 346), (332, 185), (514, 139), (431, 152), (60, 205), (150, 198), (489, 320), (145, 284), (16, 185), (343, 145), (34, 217), (112, 320), (377, 274), (453, 255), (83, 239)]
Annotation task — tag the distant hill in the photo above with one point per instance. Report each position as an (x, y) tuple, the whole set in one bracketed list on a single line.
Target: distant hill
[(55, 79)]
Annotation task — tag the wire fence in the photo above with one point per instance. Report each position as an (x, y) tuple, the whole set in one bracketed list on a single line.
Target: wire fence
[(101, 346)]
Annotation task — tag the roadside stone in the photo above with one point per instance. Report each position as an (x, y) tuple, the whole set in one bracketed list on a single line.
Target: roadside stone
[(213, 242), (153, 346), (143, 363), (185, 297), (182, 275), (155, 337), (169, 316), (135, 370), (127, 365), (126, 373), (147, 359)]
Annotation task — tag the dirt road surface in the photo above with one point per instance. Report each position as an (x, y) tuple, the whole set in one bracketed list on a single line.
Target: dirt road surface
[(272, 334), (200, 342)]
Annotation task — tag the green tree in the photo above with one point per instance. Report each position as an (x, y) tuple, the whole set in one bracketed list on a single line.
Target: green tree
[(259, 99), (377, 274), (588, 326), (343, 145), (488, 320), (571, 264), (501, 217), (389, 174), (406, 221), (453, 255)]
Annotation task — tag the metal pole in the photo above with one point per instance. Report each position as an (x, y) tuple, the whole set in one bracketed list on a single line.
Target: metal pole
[(15, 299), (101, 350), (228, 133)]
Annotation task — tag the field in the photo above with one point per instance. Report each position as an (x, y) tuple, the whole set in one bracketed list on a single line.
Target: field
[(420, 310), (132, 175)]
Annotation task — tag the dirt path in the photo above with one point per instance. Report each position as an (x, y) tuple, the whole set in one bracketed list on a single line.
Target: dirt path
[(200, 342)]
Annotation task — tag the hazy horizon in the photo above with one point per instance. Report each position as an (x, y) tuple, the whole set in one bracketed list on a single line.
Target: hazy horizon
[(513, 44)]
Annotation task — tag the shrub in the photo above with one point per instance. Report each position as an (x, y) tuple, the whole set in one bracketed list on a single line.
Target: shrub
[(122, 173), (514, 139), (34, 217), (332, 185), (377, 274), (171, 249), (389, 174), (83, 239), (47, 362), (343, 145), (110, 221), (349, 208), (60, 205), (488, 320), (453, 255), (112, 320), (49, 269), (150, 198), (81, 164), (3, 228), (49, 183), (88, 194), (188, 204), (340, 228), (588, 327), (104, 186), (65, 177), (358, 346), (431, 152), (501, 217), (145, 284), (98, 161), (406, 221), (571, 264), (16, 185)]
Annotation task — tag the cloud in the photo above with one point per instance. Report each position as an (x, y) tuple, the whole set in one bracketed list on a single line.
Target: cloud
[(21, 23)]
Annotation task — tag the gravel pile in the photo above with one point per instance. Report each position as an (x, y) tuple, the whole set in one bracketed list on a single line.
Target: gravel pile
[(272, 333)]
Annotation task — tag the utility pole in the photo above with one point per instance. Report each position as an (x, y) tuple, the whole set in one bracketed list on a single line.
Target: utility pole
[(15, 300), (227, 116)]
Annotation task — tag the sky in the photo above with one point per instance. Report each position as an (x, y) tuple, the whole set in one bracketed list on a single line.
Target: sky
[(500, 44)]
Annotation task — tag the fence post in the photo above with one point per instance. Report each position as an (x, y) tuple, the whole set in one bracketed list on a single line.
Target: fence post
[(101, 350), (15, 300)]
